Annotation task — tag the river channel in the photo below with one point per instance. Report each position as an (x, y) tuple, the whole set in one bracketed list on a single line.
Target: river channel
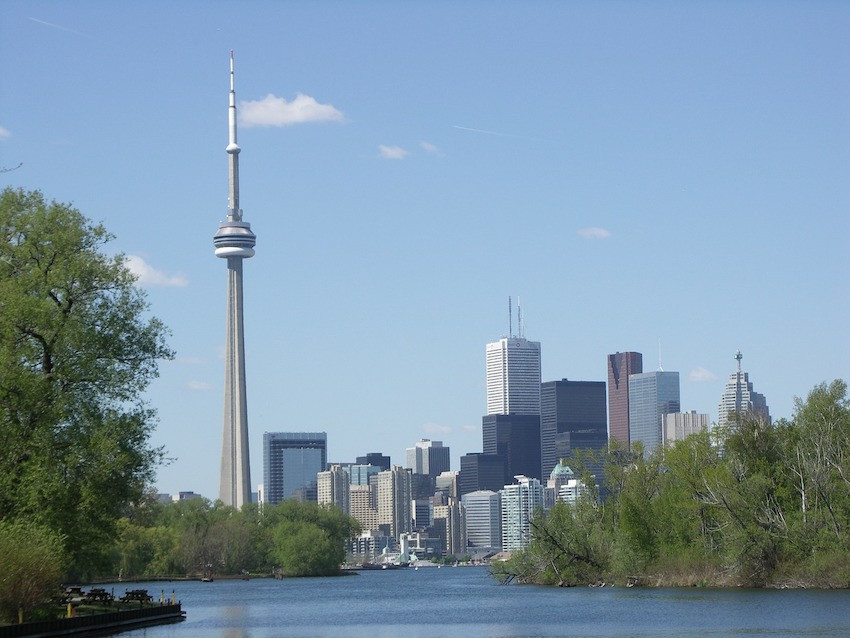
[(466, 602)]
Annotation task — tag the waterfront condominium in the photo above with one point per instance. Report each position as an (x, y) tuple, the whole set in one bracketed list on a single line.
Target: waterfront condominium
[(394, 501), (519, 502), (620, 366), (740, 398), (513, 376), (651, 396), (334, 487), (291, 463)]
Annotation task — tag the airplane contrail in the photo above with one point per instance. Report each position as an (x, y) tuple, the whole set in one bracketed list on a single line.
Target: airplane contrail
[(55, 26), (479, 130)]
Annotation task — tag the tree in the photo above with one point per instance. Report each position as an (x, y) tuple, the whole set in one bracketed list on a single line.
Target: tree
[(32, 568), (77, 349)]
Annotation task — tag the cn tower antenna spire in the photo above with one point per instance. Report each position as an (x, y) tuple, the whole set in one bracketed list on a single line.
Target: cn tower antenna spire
[(235, 213), (234, 242)]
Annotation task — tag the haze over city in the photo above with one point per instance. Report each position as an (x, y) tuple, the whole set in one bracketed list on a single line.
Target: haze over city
[(656, 177)]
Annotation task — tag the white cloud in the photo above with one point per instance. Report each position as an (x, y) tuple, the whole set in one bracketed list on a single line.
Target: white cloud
[(701, 375), (471, 428), (429, 148), (435, 428), (594, 232), (392, 152), (4, 133), (276, 111), (199, 386), (148, 276)]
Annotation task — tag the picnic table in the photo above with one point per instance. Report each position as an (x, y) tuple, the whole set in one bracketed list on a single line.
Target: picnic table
[(138, 595), (99, 595)]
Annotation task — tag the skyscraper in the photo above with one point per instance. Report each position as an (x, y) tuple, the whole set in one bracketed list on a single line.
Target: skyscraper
[(428, 457), (651, 396), (513, 376), (620, 366), (483, 518), (573, 417), (234, 241), (375, 458), (334, 487), (394, 501), (516, 439), (479, 471), (291, 464), (739, 397)]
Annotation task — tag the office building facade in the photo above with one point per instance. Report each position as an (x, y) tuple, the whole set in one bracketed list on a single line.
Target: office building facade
[(483, 519), (291, 464), (573, 417), (678, 426), (620, 366), (479, 471), (513, 376), (516, 438), (428, 457), (651, 396)]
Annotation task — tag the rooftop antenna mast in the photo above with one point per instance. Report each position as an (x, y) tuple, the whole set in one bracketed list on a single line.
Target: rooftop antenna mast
[(510, 319), (660, 367), (521, 334)]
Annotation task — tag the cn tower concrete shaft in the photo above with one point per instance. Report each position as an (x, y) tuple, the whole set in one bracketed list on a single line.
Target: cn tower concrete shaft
[(234, 241)]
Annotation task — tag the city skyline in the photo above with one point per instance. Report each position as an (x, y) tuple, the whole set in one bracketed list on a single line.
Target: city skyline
[(635, 172)]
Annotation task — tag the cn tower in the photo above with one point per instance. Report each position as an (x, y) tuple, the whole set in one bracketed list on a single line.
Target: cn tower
[(234, 242)]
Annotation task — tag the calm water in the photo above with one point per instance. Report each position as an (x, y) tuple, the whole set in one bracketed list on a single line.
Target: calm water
[(465, 602)]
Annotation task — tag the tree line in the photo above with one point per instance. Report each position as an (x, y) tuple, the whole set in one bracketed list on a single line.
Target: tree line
[(753, 505)]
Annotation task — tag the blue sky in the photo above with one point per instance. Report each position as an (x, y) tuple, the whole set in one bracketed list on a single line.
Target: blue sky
[(636, 173)]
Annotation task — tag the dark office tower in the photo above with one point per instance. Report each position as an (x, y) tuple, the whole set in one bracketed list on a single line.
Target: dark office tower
[(620, 366), (479, 471), (515, 437), (375, 458), (573, 418), (291, 463)]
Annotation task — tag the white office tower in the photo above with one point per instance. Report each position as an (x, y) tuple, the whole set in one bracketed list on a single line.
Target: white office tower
[(428, 457), (451, 521), (394, 500), (483, 519), (519, 502), (563, 485), (739, 397), (678, 426), (234, 242), (334, 487), (513, 376)]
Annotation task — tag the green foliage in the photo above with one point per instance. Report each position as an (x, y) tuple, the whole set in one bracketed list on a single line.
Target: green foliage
[(199, 538), (76, 352), (755, 505), (32, 568), (309, 540)]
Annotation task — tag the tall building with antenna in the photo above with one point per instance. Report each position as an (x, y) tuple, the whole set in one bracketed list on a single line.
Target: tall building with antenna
[(739, 397), (234, 242), (513, 372)]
